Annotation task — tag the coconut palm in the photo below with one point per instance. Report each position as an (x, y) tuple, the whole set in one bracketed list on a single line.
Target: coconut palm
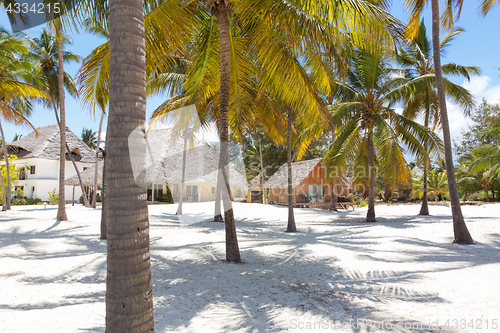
[(483, 164), (48, 56), (15, 93), (128, 261), (371, 134), (88, 136), (437, 184), (417, 58), (461, 233)]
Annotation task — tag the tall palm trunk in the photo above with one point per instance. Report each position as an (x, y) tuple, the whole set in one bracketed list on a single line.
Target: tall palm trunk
[(222, 14), (84, 195), (61, 209), (183, 178), (129, 284), (4, 204), (370, 215), (96, 173), (262, 175), (6, 156), (424, 209), (462, 235), (291, 227), (103, 199)]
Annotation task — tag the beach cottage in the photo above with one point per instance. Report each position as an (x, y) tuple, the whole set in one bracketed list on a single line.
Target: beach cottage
[(39, 159), (309, 186), (164, 165)]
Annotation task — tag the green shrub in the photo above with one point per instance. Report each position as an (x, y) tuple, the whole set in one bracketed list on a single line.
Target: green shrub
[(363, 203), (28, 201), (53, 197)]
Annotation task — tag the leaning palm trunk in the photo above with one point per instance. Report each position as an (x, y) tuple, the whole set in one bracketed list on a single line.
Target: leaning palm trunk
[(291, 227), (96, 173), (222, 14), (85, 201), (129, 284), (183, 178), (370, 215), (462, 235), (6, 156), (61, 209)]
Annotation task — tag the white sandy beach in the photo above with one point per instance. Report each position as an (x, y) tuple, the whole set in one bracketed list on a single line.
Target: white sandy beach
[(401, 271)]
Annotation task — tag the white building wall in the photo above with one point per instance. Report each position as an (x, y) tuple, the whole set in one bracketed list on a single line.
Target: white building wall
[(46, 178)]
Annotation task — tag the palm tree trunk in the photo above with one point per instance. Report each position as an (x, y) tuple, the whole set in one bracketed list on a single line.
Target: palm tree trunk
[(486, 190), (291, 227), (222, 14), (4, 204), (218, 193), (183, 178), (84, 195), (333, 199), (424, 209), (103, 199), (96, 173), (462, 235), (6, 156), (61, 209), (370, 215), (129, 284), (262, 175)]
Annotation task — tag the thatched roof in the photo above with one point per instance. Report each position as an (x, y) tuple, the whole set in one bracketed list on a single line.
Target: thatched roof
[(300, 170), (87, 176), (164, 163), (256, 183), (47, 145)]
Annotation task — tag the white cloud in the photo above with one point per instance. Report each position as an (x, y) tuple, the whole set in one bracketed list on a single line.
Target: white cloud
[(480, 87)]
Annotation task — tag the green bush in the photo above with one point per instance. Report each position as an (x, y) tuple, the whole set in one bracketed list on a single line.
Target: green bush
[(53, 197), (28, 201), (363, 203)]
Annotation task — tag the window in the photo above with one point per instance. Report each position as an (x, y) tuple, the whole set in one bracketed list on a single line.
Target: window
[(32, 170), (176, 188), (85, 168), (213, 190)]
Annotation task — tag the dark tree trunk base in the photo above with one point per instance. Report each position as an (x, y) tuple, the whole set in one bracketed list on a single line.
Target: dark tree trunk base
[(218, 218)]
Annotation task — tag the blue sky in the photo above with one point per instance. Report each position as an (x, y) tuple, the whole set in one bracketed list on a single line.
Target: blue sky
[(479, 46)]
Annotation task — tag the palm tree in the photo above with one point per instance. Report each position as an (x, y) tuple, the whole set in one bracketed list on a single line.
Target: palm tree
[(417, 57), (370, 131), (437, 184), (129, 285), (483, 164), (15, 93), (460, 231), (88, 136), (48, 57)]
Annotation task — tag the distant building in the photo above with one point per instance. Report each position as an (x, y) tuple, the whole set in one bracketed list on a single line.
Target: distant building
[(164, 168), (309, 186), (39, 157)]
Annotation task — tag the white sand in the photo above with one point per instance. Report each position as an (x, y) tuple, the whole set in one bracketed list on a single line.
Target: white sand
[(401, 270)]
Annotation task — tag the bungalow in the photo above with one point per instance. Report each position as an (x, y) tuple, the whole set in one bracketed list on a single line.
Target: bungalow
[(254, 194), (309, 187), (164, 168), (39, 157)]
